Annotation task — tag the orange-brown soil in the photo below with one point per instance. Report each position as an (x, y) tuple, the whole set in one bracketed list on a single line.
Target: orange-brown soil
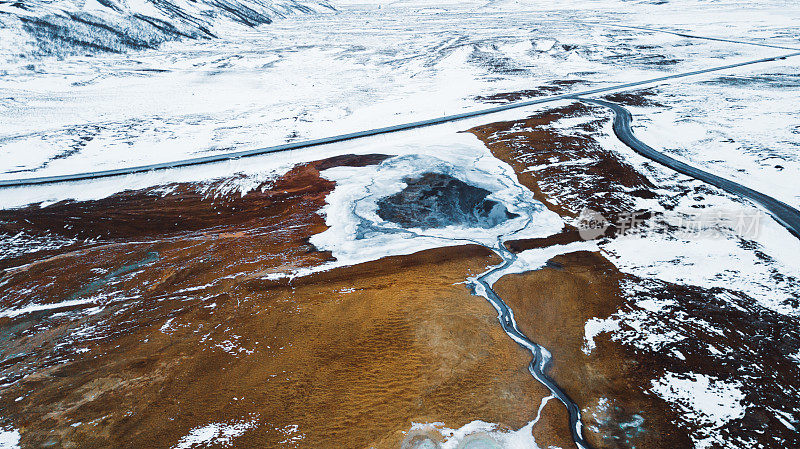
[(177, 325), (351, 357), (602, 181), (154, 258), (567, 235), (188, 207), (585, 285), (721, 334)]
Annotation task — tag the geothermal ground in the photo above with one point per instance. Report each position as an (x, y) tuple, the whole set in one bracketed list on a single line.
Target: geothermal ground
[(400, 225)]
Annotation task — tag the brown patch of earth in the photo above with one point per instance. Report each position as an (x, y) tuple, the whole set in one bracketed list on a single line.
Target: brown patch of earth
[(610, 384), (641, 97), (567, 170), (187, 207), (346, 358), (690, 331), (172, 320), (150, 264), (554, 88), (567, 235)]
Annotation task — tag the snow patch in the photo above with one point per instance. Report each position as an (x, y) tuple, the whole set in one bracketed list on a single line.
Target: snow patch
[(481, 434), (595, 327), (12, 313), (221, 434), (705, 401), (9, 438)]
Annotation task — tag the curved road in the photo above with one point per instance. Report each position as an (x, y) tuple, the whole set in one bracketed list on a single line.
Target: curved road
[(370, 132), (785, 214)]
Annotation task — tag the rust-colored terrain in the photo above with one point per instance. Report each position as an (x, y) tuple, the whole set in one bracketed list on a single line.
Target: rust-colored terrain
[(168, 320)]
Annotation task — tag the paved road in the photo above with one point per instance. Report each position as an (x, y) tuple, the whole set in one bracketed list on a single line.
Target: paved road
[(370, 132), (693, 36), (786, 215)]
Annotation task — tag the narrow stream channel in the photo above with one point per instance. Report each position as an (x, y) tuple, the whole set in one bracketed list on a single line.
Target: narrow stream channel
[(541, 356)]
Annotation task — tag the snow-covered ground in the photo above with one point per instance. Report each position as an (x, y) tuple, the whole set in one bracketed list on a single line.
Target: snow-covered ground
[(314, 75), (744, 127)]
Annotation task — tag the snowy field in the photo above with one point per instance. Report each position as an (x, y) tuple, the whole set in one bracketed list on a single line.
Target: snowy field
[(308, 76)]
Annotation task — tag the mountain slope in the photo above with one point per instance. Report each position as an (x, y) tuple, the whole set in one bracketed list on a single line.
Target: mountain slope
[(63, 27)]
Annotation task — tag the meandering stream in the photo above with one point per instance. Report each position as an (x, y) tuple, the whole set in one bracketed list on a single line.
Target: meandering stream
[(541, 356)]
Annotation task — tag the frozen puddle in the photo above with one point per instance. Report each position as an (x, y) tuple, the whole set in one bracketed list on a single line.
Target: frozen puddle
[(435, 200), (415, 202), (475, 435)]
